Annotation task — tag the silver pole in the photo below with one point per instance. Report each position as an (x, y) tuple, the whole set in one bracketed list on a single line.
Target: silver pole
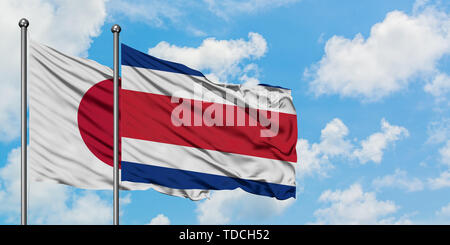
[(23, 24), (116, 30)]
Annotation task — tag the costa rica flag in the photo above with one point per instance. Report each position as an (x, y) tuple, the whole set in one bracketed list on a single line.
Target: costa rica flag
[(182, 131)]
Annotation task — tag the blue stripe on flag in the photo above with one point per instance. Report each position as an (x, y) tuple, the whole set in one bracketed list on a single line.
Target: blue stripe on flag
[(184, 179), (133, 57), (272, 86)]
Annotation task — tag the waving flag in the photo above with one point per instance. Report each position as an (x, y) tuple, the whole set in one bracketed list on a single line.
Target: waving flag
[(71, 122), (182, 131), (61, 149)]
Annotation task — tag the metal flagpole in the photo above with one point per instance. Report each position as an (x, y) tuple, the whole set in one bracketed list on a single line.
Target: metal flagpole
[(23, 24), (116, 30)]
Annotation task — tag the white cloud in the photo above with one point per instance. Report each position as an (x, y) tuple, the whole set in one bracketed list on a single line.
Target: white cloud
[(316, 158), (195, 31), (443, 180), (151, 12), (387, 60), (439, 86), (225, 207), (311, 160), (419, 5), (222, 58), (87, 208), (445, 153), (9, 109), (250, 74), (440, 182), (125, 199), (178, 13), (160, 219), (10, 184), (66, 25), (49, 203), (439, 131), (159, 13), (354, 206), (398, 180), (227, 8), (402, 220), (444, 211), (332, 138), (372, 148)]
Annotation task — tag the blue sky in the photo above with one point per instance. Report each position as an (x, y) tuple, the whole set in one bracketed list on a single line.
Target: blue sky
[(370, 82)]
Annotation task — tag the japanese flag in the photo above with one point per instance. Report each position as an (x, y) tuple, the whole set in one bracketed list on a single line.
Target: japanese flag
[(71, 123)]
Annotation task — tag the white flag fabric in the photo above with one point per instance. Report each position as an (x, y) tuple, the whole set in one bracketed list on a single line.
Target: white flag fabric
[(71, 123)]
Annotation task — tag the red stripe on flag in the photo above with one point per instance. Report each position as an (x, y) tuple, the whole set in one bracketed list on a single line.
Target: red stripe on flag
[(147, 116)]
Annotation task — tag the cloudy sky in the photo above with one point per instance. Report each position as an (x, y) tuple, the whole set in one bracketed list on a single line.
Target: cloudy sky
[(370, 82)]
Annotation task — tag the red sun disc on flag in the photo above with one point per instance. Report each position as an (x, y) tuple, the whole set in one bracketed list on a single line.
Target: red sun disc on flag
[(96, 121)]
